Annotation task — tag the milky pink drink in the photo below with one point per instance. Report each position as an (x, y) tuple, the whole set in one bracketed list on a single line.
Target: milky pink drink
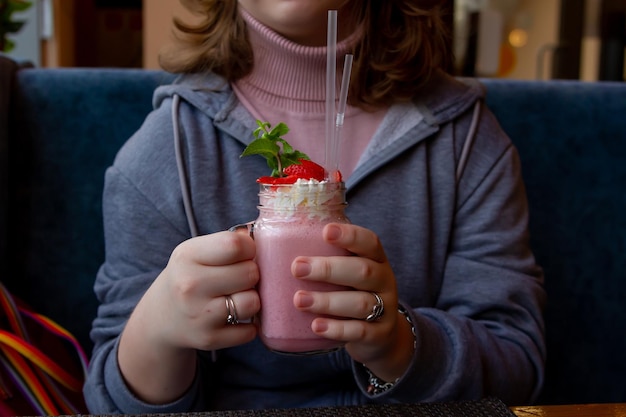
[(290, 223)]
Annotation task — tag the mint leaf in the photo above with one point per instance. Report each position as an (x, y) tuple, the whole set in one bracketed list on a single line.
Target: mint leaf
[(269, 143), (279, 130), (265, 147)]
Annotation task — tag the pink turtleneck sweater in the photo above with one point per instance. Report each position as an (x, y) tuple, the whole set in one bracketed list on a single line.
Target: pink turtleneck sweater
[(288, 84)]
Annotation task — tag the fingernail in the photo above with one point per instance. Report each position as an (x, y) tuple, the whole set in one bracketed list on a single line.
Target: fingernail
[(301, 269), (319, 326), (303, 300), (333, 232)]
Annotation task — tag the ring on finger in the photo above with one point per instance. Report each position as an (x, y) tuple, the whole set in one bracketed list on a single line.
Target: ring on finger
[(378, 310), (231, 311)]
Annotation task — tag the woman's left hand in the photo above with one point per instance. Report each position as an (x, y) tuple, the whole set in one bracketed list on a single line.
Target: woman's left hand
[(384, 345)]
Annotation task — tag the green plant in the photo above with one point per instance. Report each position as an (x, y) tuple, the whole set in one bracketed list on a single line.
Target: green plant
[(269, 143), (7, 24)]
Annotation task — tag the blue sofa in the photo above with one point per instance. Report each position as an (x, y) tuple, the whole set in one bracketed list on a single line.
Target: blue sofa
[(66, 125)]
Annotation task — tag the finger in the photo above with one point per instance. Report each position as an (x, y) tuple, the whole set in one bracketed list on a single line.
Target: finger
[(234, 335), (221, 248), (230, 279), (199, 282), (240, 307), (345, 304), (226, 336), (355, 239), (351, 271), (246, 305), (213, 330), (343, 330)]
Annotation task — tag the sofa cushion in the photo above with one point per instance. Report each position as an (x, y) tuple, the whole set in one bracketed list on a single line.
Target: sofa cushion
[(68, 127), (572, 141), (8, 68)]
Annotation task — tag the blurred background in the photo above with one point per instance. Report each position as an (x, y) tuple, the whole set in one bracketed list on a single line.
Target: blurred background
[(518, 39)]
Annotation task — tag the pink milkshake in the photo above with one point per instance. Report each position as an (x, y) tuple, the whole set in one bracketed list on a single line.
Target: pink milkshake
[(290, 223)]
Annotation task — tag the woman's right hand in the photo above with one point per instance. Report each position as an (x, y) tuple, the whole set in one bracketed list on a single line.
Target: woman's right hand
[(185, 309)]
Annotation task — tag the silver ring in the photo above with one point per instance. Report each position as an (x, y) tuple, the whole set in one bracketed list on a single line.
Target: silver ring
[(231, 311), (378, 310)]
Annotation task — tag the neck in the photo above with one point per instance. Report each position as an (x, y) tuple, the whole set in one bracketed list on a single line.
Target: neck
[(286, 73)]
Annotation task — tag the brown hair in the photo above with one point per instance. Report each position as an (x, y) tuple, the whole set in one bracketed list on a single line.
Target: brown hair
[(404, 43)]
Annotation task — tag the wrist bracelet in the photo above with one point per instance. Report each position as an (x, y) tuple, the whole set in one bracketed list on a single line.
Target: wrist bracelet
[(376, 385), (407, 316)]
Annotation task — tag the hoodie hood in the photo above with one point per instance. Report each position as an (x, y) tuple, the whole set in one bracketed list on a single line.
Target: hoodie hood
[(442, 100)]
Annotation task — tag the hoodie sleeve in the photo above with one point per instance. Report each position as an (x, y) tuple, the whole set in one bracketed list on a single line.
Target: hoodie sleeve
[(141, 194), (485, 334)]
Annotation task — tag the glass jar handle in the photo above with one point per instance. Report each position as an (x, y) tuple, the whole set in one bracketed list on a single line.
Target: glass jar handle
[(248, 226)]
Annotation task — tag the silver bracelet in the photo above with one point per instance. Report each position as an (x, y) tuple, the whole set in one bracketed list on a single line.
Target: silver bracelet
[(375, 384), (407, 316)]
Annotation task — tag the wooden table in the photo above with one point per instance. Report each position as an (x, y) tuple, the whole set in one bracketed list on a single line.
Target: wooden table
[(575, 410)]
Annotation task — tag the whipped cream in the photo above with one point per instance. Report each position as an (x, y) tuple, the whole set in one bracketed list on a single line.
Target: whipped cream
[(303, 193)]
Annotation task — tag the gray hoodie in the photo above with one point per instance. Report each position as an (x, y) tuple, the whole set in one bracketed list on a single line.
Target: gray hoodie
[(459, 248)]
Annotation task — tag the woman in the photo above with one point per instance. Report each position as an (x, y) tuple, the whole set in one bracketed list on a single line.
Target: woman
[(435, 197)]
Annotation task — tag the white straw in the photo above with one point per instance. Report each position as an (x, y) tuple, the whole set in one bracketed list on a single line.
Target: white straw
[(345, 83), (341, 110), (331, 75)]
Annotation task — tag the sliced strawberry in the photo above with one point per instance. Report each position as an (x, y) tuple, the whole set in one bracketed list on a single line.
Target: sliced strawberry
[(306, 170), (336, 176), (276, 180)]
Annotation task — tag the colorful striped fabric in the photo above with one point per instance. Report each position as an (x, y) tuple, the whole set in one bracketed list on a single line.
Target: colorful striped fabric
[(35, 375)]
